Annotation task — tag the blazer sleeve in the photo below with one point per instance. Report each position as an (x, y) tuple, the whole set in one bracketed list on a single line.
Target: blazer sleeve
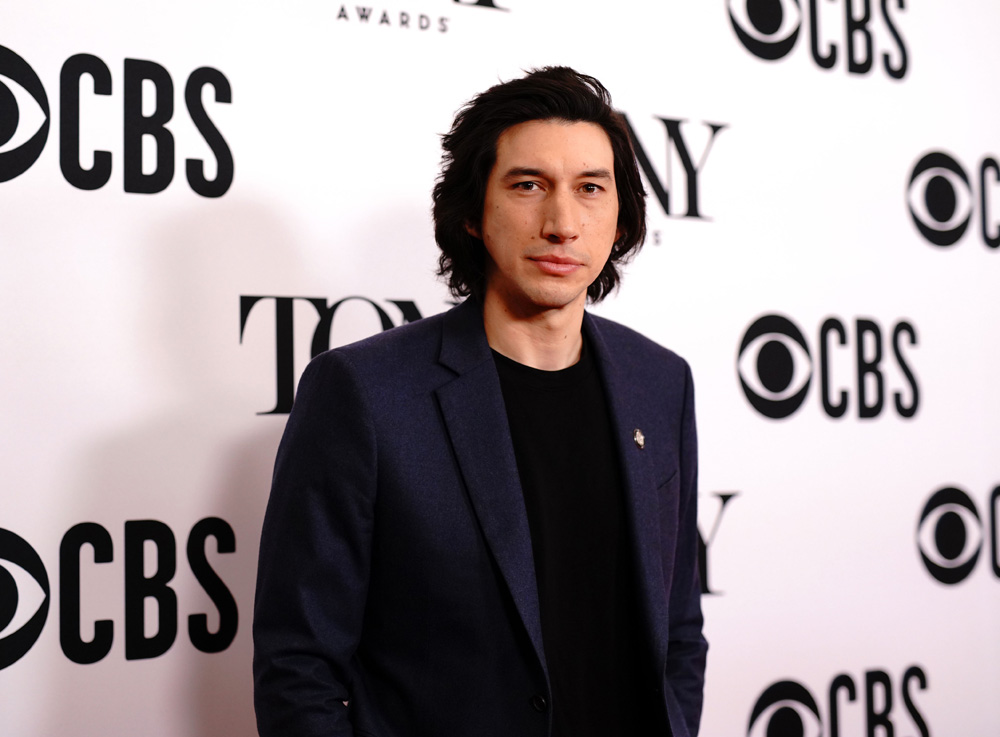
[(313, 569), (687, 649)]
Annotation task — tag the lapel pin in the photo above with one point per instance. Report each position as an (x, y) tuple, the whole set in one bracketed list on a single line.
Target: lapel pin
[(639, 438)]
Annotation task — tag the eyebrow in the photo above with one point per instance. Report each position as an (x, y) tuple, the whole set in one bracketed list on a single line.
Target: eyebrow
[(527, 171)]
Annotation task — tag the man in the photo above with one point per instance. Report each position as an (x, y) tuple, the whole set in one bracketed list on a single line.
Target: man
[(484, 523)]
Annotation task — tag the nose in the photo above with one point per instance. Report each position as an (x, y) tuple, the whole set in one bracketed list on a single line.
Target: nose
[(561, 222)]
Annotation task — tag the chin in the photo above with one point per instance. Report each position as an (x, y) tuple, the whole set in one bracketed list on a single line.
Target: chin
[(554, 299)]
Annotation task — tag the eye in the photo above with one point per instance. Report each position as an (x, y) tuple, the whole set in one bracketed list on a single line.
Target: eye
[(774, 366), (785, 709), (24, 115), (20, 115), (950, 535), (768, 28), (526, 186), (940, 198), (24, 597)]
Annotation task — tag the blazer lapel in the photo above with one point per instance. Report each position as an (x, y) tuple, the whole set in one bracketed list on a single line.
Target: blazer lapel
[(627, 405), (476, 418)]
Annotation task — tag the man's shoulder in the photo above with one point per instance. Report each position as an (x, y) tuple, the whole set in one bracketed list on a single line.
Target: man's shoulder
[(632, 346), (404, 345)]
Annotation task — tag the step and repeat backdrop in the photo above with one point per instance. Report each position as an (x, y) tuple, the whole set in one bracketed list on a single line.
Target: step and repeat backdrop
[(196, 197)]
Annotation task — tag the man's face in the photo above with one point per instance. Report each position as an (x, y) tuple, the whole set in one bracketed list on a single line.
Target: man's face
[(550, 215)]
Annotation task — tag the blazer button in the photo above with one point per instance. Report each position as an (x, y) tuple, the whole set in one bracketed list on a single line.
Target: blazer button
[(539, 702)]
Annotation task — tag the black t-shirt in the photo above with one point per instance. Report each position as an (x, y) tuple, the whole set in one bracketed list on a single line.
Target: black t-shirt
[(570, 476)]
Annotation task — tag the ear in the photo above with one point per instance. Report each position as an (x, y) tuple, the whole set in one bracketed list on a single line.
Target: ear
[(473, 230)]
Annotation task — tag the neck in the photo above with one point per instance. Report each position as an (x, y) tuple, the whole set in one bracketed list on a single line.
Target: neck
[(548, 339)]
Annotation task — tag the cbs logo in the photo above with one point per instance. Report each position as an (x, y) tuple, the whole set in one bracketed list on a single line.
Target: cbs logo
[(147, 92), (769, 29), (24, 597), (148, 562), (950, 535), (941, 201), (22, 105), (775, 367), (789, 709)]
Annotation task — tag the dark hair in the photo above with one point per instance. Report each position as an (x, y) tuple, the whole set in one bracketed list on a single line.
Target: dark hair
[(550, 93)]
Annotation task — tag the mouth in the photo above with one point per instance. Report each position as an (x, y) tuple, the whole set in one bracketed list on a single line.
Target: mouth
[(556, 264)]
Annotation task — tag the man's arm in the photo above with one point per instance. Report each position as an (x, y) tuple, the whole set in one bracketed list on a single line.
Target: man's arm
[(685, 673), (313, 570)]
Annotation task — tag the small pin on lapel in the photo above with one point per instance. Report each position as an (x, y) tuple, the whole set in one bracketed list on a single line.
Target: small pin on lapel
[(639, 438)]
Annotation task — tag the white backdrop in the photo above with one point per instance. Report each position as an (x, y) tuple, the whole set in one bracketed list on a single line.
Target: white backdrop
[(134, 388)]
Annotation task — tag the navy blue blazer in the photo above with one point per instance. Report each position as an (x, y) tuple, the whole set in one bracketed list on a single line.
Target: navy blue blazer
[(396, 570)]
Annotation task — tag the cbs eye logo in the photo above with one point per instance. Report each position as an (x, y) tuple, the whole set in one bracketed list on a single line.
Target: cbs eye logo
[(774, 366), (787, 709), (149, 156), (950, 535), (24, 115), (769, 29), (941, 202), (24, 597)]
